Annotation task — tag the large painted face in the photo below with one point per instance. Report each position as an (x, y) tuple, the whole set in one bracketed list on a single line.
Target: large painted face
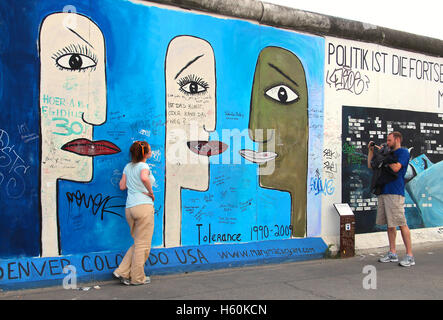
[(190, 116), (72, 101), (190, 110), (279, 123), (72, 95), (279, 116)]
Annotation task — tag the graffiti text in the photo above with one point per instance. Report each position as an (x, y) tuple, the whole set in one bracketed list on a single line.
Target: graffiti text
[(323, 186), (12, 168), (97, 202), (346, 79)]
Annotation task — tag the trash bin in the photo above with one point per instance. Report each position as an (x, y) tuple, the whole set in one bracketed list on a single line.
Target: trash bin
[(347, 230)]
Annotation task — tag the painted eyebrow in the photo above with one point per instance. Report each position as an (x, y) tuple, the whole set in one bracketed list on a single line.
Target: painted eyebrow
[(80, 36), (188, 64), (283, 74)]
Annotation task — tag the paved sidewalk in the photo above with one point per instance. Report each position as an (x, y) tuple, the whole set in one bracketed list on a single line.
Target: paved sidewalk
[(326, 279)]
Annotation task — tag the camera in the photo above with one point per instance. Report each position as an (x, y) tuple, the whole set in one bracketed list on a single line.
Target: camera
[(371, 144)]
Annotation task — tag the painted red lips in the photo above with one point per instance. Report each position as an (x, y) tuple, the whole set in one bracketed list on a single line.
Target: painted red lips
[(207, 148), (85, 147)]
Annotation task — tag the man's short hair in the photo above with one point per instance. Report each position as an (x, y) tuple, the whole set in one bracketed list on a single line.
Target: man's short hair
[(398, 135)]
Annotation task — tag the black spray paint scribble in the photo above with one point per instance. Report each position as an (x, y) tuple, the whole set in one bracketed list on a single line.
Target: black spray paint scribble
[(97, 203), (347, 79)]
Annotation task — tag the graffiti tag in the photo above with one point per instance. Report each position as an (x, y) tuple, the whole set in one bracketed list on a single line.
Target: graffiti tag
[(12, 168), (323, 186), (25, 134), (98, 203), (346, 79), (330, 165), (352, 156)]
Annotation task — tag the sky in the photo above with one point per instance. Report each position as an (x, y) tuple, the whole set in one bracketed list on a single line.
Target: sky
[(424, 17)]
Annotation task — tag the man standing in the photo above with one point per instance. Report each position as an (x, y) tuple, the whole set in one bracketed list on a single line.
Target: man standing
[(391, 201)]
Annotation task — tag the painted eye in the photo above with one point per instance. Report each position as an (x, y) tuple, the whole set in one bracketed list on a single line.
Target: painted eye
[(192, 84), (282, 94), (75, 61), (193, 88)]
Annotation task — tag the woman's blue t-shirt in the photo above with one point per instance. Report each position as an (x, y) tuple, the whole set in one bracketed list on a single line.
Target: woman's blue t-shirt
[(398, 185), (135, 185)]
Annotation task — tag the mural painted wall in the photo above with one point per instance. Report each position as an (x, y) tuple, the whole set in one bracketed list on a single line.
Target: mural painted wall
[(255, 132), (231, 109), (370, 91)]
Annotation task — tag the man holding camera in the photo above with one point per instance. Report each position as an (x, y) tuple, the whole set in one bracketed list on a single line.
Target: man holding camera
[(391, 201)]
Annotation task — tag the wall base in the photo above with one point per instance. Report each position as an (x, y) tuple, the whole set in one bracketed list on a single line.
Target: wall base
[(369, 242), (42, 272)]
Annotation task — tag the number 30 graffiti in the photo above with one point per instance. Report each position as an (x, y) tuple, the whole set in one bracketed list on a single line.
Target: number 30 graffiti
[(75, 127)]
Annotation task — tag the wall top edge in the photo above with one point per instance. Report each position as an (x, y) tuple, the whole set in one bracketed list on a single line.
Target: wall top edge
[(310, 22)]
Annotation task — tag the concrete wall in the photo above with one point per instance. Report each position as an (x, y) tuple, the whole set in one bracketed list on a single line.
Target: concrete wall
[(371, 90), (256, 131)]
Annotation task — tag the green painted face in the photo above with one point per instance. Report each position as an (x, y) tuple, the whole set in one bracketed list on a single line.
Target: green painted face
[(279, 123)]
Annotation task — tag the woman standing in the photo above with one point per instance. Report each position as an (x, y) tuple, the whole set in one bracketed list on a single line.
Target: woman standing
[(138, 179)]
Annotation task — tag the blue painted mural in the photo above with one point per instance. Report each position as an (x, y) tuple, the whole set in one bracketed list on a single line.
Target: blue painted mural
[(235, 116), (77, 91)]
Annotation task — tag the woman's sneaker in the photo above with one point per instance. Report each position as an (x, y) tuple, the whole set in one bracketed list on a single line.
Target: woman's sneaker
[(128, 282), (117, 276), (407, 261), (389, 257)]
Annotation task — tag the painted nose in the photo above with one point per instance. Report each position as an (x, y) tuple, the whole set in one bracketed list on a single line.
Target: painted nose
[(94, 119), (210, 128), (209, 125), (95, 113)]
